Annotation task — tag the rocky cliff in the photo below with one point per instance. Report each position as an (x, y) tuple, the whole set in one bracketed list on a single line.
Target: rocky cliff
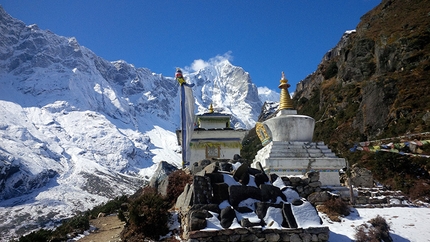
[(374, 82)]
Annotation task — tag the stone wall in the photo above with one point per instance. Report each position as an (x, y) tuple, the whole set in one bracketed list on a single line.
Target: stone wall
[(257, 234), (212, 186)]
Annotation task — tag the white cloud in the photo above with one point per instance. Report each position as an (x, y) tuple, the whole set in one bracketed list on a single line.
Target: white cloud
[(201, 64), (198, 64)]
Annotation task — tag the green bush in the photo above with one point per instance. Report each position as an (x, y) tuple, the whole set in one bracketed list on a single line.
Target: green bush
[(41, 235), (79, 223), (112, 206)]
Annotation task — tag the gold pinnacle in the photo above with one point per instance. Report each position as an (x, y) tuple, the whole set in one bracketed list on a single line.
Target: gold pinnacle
[(211, 109), (285, 100)]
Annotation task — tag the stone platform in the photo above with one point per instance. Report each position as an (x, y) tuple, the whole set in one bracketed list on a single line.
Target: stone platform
[(287, 158)]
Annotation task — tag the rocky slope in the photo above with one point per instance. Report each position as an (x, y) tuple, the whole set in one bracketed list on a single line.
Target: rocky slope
[(374, 84)]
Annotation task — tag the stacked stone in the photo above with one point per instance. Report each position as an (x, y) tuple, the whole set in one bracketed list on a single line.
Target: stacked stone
[(202, 198), (256, 234)]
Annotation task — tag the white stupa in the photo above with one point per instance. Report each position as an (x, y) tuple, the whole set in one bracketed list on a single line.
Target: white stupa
[(288, 148)]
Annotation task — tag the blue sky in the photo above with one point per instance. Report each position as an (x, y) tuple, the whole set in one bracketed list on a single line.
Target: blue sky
[(263, 37)]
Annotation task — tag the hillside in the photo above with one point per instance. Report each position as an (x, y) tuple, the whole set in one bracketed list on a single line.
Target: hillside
[(374, 84)]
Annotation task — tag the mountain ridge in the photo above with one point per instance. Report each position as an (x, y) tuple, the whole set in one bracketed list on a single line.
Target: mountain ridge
[(78, 130)]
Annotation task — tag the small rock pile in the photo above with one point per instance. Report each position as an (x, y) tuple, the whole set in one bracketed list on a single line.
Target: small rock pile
[(224, 190)]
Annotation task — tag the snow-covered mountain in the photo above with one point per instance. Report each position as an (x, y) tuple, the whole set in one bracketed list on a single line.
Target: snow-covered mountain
[(76, 130)]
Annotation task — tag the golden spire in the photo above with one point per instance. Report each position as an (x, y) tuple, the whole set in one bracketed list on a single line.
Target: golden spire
[(211, 109), (285, 102)]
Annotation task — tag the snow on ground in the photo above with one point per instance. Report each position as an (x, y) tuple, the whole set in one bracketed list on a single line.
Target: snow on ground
[(406, 223)]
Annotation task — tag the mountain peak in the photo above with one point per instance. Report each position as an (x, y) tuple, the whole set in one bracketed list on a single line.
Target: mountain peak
[(80, 129)]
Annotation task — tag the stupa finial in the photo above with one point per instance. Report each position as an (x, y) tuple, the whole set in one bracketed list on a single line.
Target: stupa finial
[(285, 100), (211, 108)]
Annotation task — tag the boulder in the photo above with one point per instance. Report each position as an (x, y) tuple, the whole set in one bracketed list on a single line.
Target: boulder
[(260, 178), (239, 193), (164, 169), (271, 193), (220, 192), (241, 174), (197, 219), (227, 216)]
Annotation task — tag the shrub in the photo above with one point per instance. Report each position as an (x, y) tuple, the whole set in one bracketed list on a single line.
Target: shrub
[(177, 182), (41, 235), (334, 208), (148, 216), (112, 206), (79, 223), (378, 232)]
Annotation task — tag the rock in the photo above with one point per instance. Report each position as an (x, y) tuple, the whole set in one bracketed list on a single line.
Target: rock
[(313, 176), (185, 199), (243, 210), (239, 193), (261, 208), (246, 223), (271, 193), (318, 198), (297, 202), (215, 177), (241, 174), (273, 177), (295, 181), (211, 168), (260, 178), (253, 171), (272, 237), (227, 216), (315, 184), (361, 177), (164, 169), (286, 181), (225, 166), (202, 190), (199, 166), (220, 192), (197, 219), (209, 207), (289, 219)]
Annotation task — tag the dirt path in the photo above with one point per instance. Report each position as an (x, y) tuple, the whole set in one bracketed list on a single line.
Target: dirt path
[(109, 228)]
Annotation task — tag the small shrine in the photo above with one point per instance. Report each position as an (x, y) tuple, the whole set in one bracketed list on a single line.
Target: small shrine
[(213, 137), (288, 148)]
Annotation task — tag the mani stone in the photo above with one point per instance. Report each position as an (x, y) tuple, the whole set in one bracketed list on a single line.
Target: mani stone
[(227, 216), (239, 193), (271, 193), (241, 174), (202, 190)]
